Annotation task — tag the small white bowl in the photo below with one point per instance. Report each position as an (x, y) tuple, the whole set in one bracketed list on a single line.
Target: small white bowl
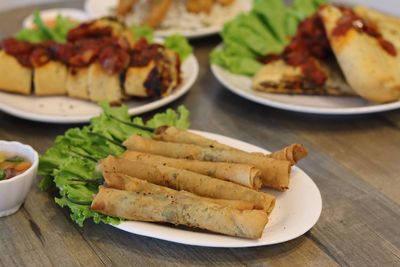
[(74, 14), (14, 190)]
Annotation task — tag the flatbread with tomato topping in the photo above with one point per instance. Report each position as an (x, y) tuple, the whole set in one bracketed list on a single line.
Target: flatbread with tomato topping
[(368, 59)]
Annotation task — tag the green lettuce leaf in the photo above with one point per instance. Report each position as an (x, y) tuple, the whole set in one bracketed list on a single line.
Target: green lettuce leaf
[(71, 164), (143, 32), (265, 29), (180, 45), (42, 32)]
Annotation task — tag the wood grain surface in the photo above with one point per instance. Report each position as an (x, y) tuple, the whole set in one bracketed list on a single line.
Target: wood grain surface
[(354, 160)]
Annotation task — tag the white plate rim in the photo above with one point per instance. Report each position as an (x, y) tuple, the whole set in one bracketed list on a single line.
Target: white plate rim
[(180, 91), (190, 34), (147, 229), (217, 72)]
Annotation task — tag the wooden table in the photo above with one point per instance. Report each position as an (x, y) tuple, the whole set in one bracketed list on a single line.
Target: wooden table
[(354, 160)]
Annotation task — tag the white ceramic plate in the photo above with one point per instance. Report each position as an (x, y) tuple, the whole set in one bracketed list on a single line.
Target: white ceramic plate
[(62, 109), (50, 14), (96, 9), (330, 105), (241, 85), (296, 211)]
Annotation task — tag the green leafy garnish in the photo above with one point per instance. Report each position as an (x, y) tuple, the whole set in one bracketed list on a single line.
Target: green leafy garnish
[(2, 174), (16, 159), (70, 165), (42, 32), (266, 29), (179, 44), (143, 32)]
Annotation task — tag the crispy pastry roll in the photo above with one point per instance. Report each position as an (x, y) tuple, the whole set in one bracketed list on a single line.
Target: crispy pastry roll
[(292, 153), (199, 6), (242, 174), (50, 79), (175, 135), (158, 11), (274, 173), (369, 60), (196, 183), (125, 182), (180, 209), (124, 7), (14, 77)]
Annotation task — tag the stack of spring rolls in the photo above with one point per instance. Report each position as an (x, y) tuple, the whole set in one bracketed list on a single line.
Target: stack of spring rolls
[(182, 178)]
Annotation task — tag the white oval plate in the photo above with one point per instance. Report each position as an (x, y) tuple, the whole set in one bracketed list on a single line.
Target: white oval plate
[(241, 85), (62, 109), (329, 105), (74, 14), (296, 211), (96, 9)]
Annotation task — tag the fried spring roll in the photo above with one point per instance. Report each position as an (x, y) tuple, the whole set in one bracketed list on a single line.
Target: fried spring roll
[(180, 209), (198, 6), (292, 153), (242, 174), (125, 182), (175, 135), (179, 179), (274, 173), (158, 11), (124, 7)]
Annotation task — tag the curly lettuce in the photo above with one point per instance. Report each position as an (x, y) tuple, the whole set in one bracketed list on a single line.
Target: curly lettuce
[(266, 29), (71, 164)]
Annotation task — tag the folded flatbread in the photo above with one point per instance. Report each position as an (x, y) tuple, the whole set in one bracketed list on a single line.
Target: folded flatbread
[(278, 77), (369, 60)]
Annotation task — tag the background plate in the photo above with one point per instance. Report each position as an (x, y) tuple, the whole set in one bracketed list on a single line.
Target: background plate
[(296, 211), (96, 9), (241, 85), (62, 109)]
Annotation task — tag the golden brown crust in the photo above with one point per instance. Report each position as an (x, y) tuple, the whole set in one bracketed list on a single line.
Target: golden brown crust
[(274, 173), (180, 179), (180, 209)]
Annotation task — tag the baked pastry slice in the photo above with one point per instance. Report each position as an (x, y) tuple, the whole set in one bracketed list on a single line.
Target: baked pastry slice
[(78, 82), (50, 79), (14, 78), (154, 71), (103, 86)]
